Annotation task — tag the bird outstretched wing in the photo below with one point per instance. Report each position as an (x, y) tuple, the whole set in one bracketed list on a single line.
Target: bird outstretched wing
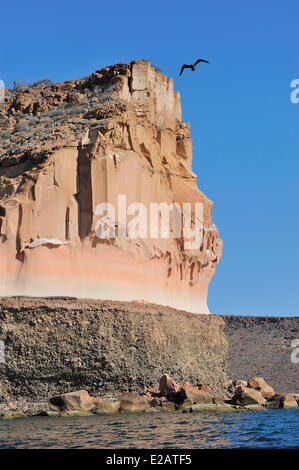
[(201, 60), (185, 66)]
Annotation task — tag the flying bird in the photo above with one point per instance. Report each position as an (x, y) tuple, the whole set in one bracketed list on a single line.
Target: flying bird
[(192, 66)]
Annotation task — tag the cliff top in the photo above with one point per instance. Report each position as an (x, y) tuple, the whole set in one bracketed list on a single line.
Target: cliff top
[(42, 117)]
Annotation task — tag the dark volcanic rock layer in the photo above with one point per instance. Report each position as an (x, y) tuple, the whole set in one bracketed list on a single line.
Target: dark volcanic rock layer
[(59, 345), (261, 346)]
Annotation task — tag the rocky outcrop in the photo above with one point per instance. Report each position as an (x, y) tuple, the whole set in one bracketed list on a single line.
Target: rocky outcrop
[(66, 148), (185, 398), (55, 346)]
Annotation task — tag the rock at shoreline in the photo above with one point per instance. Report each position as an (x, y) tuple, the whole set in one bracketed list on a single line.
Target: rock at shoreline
[(218, 400), (203, 388), (240, 383), (168, 387), (195, 395), (248, 396), (73, 401), (154, 392), (168, 406), (170, 396), (106, 407), (284, 400), (133, 403), (259, 383)]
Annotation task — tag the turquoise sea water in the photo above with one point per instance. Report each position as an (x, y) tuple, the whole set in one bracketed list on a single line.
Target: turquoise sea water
[(262, 429)]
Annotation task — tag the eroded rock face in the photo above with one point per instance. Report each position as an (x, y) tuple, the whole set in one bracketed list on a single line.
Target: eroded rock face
[(67, 147)]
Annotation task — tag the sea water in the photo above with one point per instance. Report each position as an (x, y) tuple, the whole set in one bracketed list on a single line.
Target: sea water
[(260, 429)]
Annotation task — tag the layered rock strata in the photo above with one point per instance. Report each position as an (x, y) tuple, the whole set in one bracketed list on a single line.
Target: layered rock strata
[(66, 148)]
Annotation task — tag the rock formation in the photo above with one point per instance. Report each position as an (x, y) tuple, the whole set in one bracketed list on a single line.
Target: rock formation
[(69, 146), (54, 346)]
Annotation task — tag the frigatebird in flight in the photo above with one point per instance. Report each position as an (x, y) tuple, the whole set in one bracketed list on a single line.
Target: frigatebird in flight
[(192, 66)]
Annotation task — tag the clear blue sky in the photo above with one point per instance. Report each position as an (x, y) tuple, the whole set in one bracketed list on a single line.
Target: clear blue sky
[(244, 127)]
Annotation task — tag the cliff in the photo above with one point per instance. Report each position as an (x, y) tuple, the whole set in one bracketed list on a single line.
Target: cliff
[(262, 346), (66, 148), (58, 345)]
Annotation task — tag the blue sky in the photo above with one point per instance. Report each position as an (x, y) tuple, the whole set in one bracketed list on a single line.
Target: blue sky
[(245, 129)]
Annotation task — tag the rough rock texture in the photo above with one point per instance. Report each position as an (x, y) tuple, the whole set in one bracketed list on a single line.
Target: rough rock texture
[(248, 396), (168, 387), (67, 147), (103, 407), (132, 403), (55, 346), (194, 395), (261, 346), (259, 383), (285, 400), (79, 400)]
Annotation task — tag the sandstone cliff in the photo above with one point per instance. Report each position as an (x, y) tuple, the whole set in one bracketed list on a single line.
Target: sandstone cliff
[(65, 148)]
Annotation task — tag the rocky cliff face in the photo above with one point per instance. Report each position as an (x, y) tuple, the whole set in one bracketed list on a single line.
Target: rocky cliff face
[(262, 346), (69, 146), (59, 345)]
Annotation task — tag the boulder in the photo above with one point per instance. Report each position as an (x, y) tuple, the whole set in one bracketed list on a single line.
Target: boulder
[(185, 406), (203, 388), (133, 403), (239, 383), (218, 400), (194, 395), (168, 387), (155, 402), (231, 387), (80, 400), (154, 392), (96, 401), (13, 414), (258, 383), (106, 407), (74, 413), (282, 400), (168, 406), (248, 396)]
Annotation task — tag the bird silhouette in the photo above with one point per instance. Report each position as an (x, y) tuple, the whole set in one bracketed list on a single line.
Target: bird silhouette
[(192, 66)]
